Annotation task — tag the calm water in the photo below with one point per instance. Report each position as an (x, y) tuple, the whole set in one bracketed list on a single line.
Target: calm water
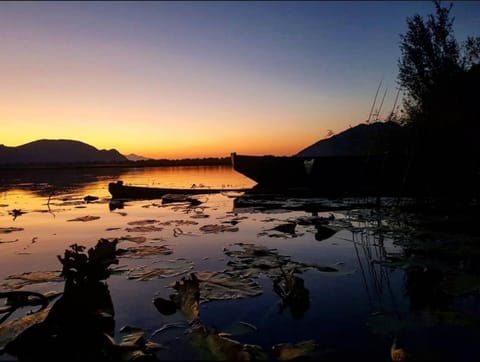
[(353, 313)]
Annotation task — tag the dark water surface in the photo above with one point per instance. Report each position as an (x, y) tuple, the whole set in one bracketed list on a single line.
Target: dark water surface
[(354, 311)]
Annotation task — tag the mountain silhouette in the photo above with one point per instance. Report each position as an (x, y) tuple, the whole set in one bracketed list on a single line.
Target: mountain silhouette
[(57, 152), (135, 157), (361, 140)]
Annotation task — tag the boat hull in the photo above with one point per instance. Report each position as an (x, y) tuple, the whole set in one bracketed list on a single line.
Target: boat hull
[(120, 191), (324, 175)]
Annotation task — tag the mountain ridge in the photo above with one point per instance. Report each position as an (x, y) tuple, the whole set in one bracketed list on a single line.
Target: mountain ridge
[(360, 140), (57, 151)]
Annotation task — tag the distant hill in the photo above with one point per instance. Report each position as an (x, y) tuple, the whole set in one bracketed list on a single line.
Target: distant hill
[(364, 139), (134, 157), (57, 152)]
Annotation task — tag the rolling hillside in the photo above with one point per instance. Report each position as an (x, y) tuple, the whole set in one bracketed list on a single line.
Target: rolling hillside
[(57, 152)]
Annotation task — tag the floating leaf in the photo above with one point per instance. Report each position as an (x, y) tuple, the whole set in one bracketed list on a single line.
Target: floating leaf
[(216, 346), (10, 330), (252, 260), (241, 328), (179, 222), (170, 268), (215, 228), (90, 198), (143, 229), (187, 298), (291, 289), (29, 278), (199, 216), (287, 351), (134, 337), (9, 230), (143, 222), (85, 218), (142, 251), (8, 241), (169, 326), (219, 286), (134, 239)]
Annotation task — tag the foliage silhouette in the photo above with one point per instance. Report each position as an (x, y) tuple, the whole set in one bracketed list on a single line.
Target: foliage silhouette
[(439, 78)]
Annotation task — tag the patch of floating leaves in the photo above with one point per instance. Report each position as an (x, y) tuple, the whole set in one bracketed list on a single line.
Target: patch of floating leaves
[(215, 228), (212, 344), (168, 268), (219, 286), (253, 260), (29, 278), (85, 218), (143, 229), (203, 287), (178, 222), (134, 239), (138, 252)]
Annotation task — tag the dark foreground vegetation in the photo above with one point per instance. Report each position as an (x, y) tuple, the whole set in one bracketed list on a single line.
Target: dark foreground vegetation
[(440, 80)]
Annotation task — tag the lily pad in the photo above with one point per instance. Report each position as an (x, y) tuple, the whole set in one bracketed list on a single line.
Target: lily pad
[(169, 268), (215, 228), (134, 239), (143, 229), (287, 351), (241, 328), (8, 241), (85, 218), (187, 298), (143, 222), (137, 252), (253, 260), (29, 278), (178, 222), (10, 330), (218, 346), (219, 286), (9, 230)]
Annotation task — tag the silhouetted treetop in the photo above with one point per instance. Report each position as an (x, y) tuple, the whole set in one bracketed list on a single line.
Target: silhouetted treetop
[(431, 56)]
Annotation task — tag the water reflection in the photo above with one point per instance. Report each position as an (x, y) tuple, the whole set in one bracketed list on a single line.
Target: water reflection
[(290, 270), (48, 182), (294, 296)]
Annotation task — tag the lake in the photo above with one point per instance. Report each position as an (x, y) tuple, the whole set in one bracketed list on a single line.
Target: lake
[(353, 302)]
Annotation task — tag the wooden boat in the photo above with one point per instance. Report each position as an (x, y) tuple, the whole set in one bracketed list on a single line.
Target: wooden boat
[(120, 191), (324, 176)]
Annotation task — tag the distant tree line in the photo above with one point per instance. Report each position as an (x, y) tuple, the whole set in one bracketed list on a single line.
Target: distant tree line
[(208, 161), (441, 79)]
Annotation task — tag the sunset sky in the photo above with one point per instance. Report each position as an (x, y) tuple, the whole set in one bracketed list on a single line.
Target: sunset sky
[(200, 79)]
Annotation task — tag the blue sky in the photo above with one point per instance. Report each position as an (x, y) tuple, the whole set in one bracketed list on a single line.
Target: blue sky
[(192, 79)]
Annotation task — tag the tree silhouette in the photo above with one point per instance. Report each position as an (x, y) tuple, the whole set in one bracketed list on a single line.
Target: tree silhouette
[(440, 80)]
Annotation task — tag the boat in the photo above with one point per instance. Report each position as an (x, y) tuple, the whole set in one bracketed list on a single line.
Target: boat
[(120, 191), (323, 176)]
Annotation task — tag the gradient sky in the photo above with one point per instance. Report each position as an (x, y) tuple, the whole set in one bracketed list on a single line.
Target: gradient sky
[(200, 79)]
